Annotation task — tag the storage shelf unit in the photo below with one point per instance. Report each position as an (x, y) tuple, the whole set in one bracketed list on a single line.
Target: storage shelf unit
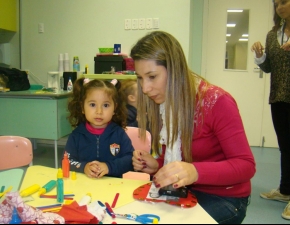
[(8, 15), (109, 76)]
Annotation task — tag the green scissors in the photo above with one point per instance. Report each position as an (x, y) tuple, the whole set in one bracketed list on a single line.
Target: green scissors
[(144, 218)]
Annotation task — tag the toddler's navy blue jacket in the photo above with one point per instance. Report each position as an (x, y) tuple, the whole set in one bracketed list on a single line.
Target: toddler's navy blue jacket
[(113, 147)]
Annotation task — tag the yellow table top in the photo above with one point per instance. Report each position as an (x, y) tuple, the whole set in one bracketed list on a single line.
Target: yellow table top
[(103, 189)]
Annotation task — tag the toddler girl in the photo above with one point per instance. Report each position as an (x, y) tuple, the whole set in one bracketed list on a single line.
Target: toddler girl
[(98, 145)]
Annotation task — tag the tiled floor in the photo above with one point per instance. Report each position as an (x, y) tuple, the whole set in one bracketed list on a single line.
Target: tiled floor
[(260, 211), (43, 153), (267, 177)]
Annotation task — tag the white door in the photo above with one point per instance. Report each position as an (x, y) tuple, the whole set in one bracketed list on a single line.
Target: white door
[(248, 87)]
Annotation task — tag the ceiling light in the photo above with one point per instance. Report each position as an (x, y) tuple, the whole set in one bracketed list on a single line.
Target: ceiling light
[(228, 35), (231, 25), (245, 35), (243, 39), (234, 10)]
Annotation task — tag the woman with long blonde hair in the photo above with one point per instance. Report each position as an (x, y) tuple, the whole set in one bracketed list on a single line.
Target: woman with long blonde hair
[(198, 138)]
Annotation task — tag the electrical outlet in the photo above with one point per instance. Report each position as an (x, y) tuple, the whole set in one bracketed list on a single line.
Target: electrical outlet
[(148, 23), (141, 23), (155, 23), (127, 24), (40, 28), (135, 24)]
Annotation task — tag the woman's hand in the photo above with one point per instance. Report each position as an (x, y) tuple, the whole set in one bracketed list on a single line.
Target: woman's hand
[(176, 173), (144, 161), (258, 48), (286, 46)]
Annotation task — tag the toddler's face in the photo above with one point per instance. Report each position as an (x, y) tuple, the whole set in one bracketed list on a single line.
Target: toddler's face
[(98, 108)]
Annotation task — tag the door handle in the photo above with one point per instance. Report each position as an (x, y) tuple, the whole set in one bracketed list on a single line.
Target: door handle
[(261, 74), (258, 69)]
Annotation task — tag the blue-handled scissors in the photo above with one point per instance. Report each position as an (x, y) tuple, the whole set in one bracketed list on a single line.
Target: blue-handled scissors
[(144, 218)]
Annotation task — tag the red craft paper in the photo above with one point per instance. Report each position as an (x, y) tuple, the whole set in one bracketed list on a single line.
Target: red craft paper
[(74, 213), (141, 194)]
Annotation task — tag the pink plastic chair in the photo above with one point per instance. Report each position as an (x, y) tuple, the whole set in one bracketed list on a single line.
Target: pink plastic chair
[(137, 142), (15, 152)]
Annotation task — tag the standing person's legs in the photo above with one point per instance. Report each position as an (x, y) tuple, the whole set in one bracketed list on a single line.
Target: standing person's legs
[(281, 121)]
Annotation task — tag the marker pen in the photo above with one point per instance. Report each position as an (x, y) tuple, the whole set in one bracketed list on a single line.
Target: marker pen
[(65, 165), (59, 186), (47, 187), (112, 214), (30, 190)]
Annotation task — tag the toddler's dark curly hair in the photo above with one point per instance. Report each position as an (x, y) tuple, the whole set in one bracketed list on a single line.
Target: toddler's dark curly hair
[(79, 94)]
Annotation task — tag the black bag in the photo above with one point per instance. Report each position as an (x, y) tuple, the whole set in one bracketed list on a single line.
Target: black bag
[(17, 79)]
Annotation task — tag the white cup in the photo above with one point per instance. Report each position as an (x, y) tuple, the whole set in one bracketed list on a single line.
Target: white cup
[(66, 56), (60, 56), (66, 62), (60, 63)]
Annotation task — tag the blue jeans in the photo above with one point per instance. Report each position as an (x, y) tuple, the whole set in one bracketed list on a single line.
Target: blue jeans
[(225, 210)]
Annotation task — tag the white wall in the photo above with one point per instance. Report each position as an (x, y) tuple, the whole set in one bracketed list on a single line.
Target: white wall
[(80, 27)]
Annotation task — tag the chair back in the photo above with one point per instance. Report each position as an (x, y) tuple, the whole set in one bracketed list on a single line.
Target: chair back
[(15, 152), (137, 142)]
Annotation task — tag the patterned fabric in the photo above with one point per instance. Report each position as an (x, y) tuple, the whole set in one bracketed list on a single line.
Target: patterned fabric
[(278, 64), (204, 107), (27, 213)]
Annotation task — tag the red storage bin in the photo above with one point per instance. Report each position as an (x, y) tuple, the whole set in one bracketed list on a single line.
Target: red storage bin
[(129, 64)]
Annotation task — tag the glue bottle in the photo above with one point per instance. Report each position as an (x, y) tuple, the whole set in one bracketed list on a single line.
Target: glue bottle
[(73, 175), (30, 190), (15, 217), (47, 187), (65, 165), (59, 186), (86, 69), (69, 85), (76, 63), (85, 200)]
